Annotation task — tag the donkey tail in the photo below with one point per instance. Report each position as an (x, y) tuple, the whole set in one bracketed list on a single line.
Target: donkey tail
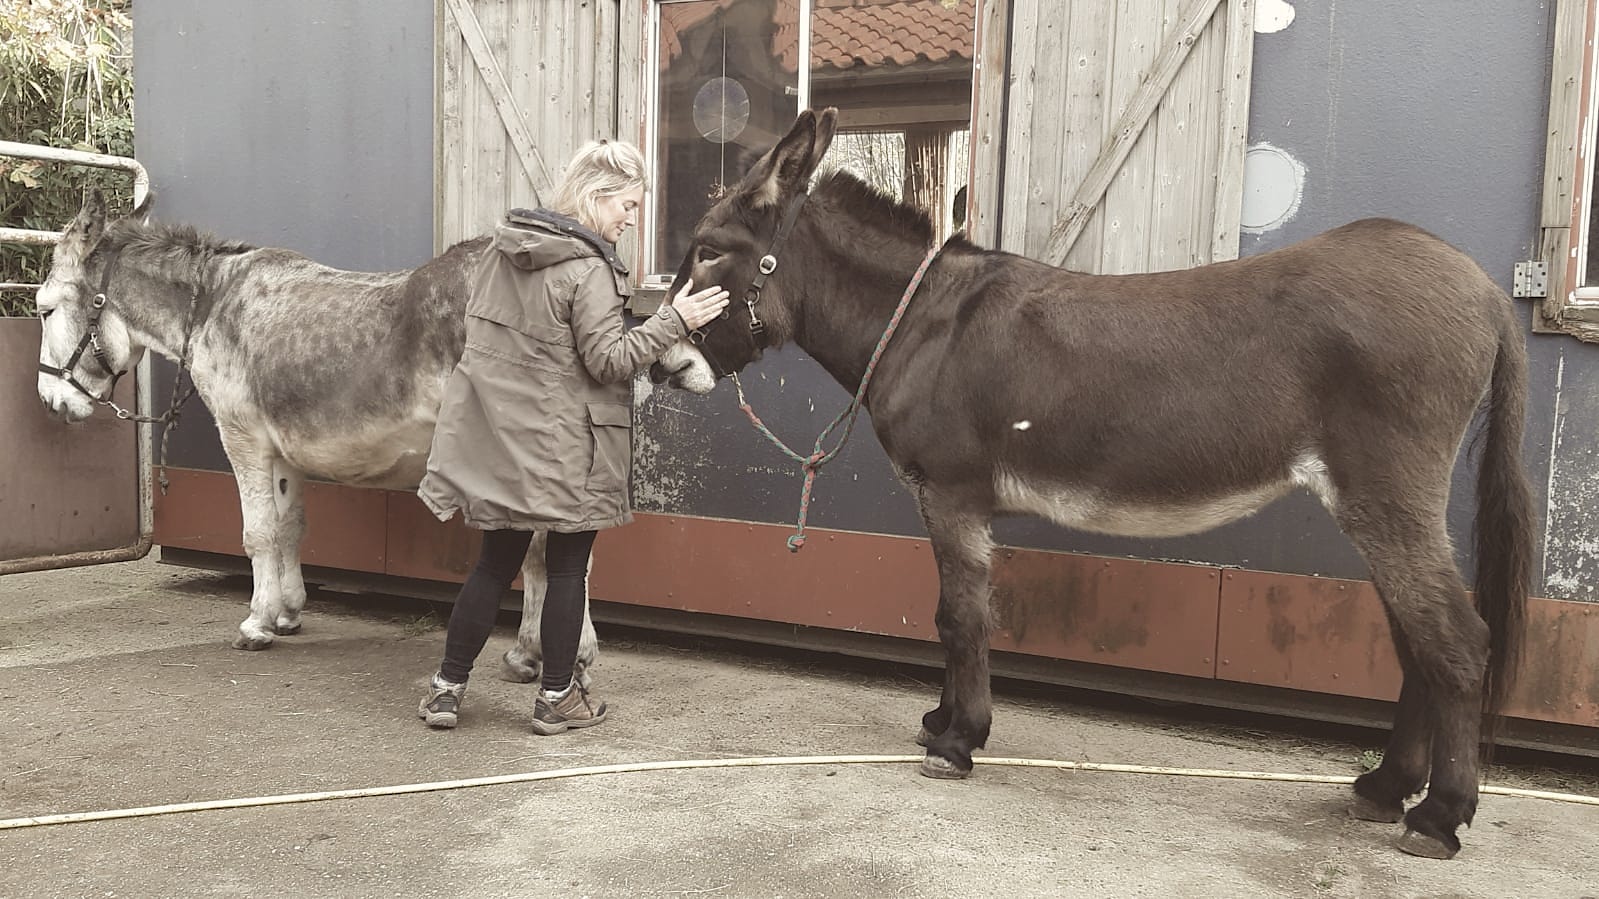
[(1504, 515)]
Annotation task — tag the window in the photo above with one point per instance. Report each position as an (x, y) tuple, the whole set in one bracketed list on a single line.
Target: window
[(728, 84)]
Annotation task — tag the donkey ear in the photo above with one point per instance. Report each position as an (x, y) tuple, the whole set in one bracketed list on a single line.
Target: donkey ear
[(788, 167), (141, 212), (826, 124), (89, 224)]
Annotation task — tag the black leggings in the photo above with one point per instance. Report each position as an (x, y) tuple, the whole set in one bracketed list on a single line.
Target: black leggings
[(566, 558)]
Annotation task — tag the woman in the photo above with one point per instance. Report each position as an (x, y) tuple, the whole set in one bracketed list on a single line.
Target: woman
[(534, 431)]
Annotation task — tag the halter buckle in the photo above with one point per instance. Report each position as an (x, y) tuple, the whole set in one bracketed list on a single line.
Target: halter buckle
[(768, 264)]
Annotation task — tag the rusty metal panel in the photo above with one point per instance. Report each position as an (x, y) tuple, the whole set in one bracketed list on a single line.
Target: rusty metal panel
[(421, 546), (345, 526), (1307, 633), (1154, 616), (1148, 615), (69, 494), (1558, 679), (862, 582), (1331, 636)]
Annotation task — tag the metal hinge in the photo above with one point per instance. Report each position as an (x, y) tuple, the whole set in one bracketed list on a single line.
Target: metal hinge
[(1531, 280)]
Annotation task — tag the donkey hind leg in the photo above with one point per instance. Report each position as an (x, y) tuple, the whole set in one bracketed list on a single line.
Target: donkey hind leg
[(1380, 794), (253, 473), (1446, 643), (961, 547), (523, 662), (288, 495)]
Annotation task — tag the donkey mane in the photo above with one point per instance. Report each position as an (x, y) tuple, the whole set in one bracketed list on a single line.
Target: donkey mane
[(879, 211), (164, 250), (874, 208)]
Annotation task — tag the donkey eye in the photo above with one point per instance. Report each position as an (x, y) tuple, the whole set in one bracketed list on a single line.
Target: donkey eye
[(45, 313), (706, 254)]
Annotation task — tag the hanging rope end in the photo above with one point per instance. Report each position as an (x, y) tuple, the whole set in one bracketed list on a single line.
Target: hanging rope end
[(796, 542)]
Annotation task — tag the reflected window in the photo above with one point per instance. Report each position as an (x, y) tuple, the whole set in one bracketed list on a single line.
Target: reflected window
[(729, 84), (727, 88)]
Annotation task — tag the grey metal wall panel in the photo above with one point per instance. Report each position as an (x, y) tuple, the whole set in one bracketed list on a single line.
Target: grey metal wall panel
[(297, 123)]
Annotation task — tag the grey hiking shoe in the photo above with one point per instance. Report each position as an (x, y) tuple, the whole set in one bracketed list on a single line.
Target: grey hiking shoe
[(442, 704), (558, 713)]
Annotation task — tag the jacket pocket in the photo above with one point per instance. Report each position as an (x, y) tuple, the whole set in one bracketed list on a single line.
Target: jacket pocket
[(612, 427)]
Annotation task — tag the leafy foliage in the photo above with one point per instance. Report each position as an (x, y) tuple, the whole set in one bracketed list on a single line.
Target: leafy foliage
[(66, 80)]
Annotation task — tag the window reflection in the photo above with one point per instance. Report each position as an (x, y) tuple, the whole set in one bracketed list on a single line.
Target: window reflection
[(900, 73), (729, 85), (727, 90)]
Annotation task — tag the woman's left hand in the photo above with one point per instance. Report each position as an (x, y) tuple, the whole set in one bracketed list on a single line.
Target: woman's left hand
[(698, 309)]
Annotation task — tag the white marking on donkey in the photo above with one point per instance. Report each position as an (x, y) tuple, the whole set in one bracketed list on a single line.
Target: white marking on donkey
[(308, 371)]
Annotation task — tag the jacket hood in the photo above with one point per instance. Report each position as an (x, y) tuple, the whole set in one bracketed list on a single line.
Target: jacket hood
[(551, 238)]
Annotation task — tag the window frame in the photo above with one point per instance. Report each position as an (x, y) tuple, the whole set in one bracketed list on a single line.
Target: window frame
[(1565, 218)]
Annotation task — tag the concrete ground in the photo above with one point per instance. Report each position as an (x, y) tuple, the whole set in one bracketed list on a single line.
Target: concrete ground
[(118, 690)]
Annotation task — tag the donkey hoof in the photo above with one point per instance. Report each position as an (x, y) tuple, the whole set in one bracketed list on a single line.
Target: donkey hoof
[(286, 629), (252, 643), (1371, 810), (940, 768), (1417, 843), (515, 669)]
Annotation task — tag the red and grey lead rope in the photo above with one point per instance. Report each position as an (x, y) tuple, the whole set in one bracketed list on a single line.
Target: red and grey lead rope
[(812, 464)]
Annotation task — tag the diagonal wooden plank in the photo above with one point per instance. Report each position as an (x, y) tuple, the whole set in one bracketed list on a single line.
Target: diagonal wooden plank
[(500, 91), (1195, 16)]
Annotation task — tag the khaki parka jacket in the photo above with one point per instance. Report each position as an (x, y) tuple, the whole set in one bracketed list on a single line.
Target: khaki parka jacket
[(535, 429)]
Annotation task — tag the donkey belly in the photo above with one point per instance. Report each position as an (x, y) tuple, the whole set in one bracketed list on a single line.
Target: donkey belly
[(1128, 514), (387, 454)]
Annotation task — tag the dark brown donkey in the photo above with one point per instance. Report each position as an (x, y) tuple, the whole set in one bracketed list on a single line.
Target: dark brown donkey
[(1163, 404)]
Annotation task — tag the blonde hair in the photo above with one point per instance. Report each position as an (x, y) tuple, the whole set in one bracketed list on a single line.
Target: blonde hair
[(600, 168)]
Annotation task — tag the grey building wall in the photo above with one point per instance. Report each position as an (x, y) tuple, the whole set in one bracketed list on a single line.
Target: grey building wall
[(303, 124)]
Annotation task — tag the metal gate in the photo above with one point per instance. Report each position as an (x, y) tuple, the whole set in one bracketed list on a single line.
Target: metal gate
[(69, 494)]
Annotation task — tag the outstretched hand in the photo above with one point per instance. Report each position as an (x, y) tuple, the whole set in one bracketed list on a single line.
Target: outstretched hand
[(698, 309)]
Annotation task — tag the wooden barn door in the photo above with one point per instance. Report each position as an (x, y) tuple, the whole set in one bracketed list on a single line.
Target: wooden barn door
[(521, 84), (1112, 138)]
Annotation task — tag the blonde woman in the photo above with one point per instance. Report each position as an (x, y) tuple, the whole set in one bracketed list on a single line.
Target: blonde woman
[(534, 431)]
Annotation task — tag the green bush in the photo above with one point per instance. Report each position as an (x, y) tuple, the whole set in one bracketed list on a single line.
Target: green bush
[(66, 80)]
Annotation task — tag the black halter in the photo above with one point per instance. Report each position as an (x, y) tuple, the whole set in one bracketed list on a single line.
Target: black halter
[(752, 294), (91, 341)]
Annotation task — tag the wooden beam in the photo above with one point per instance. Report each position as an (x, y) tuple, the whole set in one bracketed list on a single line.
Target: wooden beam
[(1237, 65), (989, 73)]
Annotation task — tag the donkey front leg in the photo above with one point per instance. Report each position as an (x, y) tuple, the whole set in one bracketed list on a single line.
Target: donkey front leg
[(523, 662), (962, 547), (260, 513)]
